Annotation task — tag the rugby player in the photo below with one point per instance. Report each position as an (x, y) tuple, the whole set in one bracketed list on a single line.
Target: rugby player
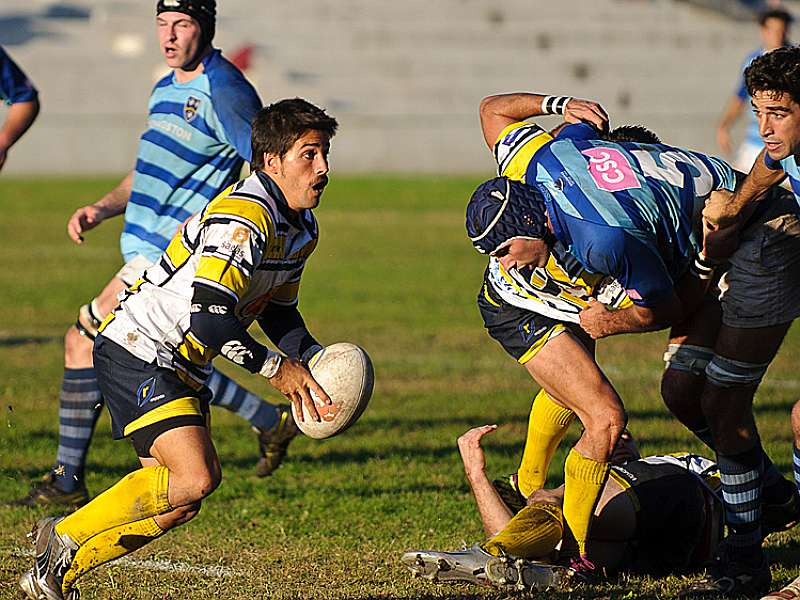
[(196, 141), (655, 516), (239, 260), (773, 82), (626, 210), (17, 91)]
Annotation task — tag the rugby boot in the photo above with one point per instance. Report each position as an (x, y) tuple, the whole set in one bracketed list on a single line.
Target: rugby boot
[(789, 592), (781, 516), (47, 493), (272, 443), (467, 565), (727, 576), (582, 570), (508, 489), (519, 575), (54, 554)]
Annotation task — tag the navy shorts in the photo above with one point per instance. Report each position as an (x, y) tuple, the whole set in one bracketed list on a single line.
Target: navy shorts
[(145, 400), (521, 333)]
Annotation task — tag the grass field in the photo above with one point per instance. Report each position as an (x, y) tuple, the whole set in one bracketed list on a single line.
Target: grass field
[(394, 273)]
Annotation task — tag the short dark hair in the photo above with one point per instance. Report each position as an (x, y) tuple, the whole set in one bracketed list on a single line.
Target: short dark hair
[(777, 72), (775, 13), (278, 126), (633, 133)]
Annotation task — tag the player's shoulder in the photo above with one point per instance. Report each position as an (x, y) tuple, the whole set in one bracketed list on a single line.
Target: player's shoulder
[(515, 146), (226, 81)]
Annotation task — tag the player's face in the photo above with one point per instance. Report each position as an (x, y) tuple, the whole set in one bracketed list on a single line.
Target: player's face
[(302, 173), (778, 123), (523, 252), (774, 33), (179, 38)]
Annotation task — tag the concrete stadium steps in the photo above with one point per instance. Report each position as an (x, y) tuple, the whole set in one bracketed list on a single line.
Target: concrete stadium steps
[(404, 78)]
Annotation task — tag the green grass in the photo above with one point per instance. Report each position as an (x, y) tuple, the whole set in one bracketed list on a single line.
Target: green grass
[(394, 273)]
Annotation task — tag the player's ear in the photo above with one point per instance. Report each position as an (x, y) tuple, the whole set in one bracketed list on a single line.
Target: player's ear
[(272, 163)]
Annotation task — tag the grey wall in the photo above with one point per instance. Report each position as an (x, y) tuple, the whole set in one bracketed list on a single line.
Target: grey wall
[(404, 78)]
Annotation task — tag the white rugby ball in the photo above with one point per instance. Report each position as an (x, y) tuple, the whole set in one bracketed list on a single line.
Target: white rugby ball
[(345, 373)]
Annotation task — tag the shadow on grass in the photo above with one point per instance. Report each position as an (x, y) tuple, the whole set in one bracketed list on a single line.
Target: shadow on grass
[(24, 340)]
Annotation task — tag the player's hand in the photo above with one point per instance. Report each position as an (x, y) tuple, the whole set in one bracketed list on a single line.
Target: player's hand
[(594, 319), (296, 382), (84, 219), (720, 211), (724, 140), (469, 446), (719, 243), (586, 111)]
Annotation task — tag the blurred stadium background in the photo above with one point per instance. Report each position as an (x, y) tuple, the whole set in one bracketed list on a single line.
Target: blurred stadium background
[(404, 78)]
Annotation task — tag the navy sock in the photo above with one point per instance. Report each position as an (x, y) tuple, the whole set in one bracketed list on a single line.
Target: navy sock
[(741, 476), (80, 405), (230, 395)]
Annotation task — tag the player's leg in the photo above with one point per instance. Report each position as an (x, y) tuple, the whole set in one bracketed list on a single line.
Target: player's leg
[(171, 428), (273, 424), (80, 405), (591, 397)]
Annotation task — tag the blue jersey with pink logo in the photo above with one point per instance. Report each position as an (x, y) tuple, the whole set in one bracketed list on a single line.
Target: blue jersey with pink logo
[(197, 138), (14, 84), (789, 166), (627, 210)]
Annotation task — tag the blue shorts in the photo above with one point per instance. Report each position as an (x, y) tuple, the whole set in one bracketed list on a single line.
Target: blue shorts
[(145, 400)]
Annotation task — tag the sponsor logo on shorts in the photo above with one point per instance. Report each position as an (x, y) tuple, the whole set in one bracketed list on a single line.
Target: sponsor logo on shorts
[(190, 108), (147, 392), (218, 309)]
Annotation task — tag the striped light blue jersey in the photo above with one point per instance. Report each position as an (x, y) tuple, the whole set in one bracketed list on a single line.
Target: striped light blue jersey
[(197, 138), (628, 210), (14, 84), (789, 166)]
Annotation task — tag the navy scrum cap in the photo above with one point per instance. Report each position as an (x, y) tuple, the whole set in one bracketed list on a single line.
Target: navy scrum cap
[(501, 209), (203, 11)]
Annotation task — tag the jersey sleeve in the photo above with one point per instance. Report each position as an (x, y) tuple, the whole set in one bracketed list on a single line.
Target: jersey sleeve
[(771, 163), (578, 132), (632, 261), (230, 252), (15, 86), (235, 104), (515, 147)]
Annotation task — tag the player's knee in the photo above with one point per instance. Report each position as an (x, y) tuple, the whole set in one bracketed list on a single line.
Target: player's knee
[(204, 483), (178, 516), (687, 358), (728, 373), (796, 420), (77, 348), (681, 393)]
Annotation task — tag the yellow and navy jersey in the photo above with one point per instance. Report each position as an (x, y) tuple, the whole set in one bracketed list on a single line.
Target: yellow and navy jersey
[(562, 288), (246, 244)]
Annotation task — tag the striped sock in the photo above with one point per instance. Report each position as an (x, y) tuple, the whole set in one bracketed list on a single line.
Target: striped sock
[(741, 476), (230, 395), (80, 405), (796, 465)]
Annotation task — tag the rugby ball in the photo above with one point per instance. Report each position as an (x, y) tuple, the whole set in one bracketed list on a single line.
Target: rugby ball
[(345, 373)]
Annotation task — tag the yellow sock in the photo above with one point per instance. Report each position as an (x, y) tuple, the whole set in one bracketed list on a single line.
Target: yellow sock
[(110, 545), (532, 533), (547, 424), (136, 496), (584, 479)]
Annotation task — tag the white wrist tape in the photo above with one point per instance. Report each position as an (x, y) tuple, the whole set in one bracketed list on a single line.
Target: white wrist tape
[(555, 105), (271, 365)]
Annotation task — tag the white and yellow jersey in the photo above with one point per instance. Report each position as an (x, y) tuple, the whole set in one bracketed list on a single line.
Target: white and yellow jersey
[(562, 288), (246, 244)]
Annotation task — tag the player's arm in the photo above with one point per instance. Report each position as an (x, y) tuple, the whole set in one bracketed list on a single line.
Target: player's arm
[(222, 277), (19, 118), (283, 324), (90, 216), (493, 511), (643, 274), (501, 110), (724, 210)]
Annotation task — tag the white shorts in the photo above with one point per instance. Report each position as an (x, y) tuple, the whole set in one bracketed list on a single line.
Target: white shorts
[(761, 288), (133, 270)]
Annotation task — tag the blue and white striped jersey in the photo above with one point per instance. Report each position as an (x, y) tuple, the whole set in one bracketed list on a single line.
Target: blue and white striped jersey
[(628, 210), (14, 84), (789, 166), (197, 138)]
